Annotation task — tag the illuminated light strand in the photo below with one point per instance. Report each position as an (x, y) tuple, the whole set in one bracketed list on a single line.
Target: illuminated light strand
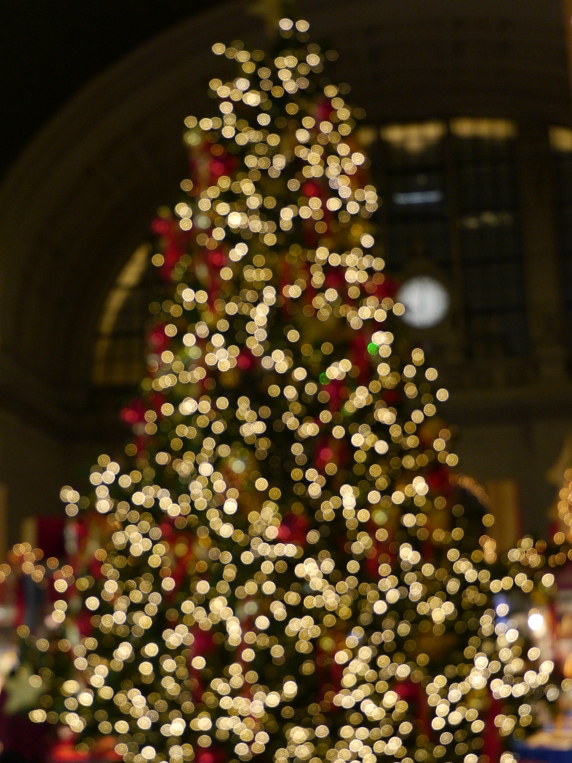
[(290, 569)]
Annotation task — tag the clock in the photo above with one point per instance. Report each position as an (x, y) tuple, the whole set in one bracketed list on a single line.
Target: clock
[(426, 301)]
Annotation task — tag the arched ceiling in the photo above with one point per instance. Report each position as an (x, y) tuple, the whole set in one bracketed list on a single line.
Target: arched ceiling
[(50, 51), (81, 197)]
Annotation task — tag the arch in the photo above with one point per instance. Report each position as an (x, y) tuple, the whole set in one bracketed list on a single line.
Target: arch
[(80, 199), (119, 350)]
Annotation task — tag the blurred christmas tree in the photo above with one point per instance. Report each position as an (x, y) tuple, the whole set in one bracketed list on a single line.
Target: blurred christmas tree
[(292, 572)]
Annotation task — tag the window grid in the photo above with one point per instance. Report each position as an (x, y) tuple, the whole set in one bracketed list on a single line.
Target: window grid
[(120, 348), (452, 196), (561, 144)]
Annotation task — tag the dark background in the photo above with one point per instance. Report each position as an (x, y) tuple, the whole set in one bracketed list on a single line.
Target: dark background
[(49, 49), (115, 80)]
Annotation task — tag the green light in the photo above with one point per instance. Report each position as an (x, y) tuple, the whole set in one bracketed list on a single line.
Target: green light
[(373, 348), (324, 378)]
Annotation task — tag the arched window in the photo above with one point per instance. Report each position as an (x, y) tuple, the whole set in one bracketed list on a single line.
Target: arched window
[(119, 358)]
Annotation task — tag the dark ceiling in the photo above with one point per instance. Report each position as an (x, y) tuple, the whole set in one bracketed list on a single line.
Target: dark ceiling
[(50, 50), (80, 200)]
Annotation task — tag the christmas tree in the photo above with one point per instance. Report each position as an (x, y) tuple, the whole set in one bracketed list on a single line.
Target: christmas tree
[(292, 574)]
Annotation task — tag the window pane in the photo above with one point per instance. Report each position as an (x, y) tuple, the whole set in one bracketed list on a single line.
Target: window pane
[(414, 145), (486, 186), (120, 343), (489, 239), (411, 237), (416, 193), (561, 141)]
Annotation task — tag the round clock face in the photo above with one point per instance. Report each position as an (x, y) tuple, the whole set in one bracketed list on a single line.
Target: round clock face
[(426, 301)]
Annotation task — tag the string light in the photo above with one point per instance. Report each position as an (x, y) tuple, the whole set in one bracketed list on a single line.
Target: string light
[(291, 571)]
